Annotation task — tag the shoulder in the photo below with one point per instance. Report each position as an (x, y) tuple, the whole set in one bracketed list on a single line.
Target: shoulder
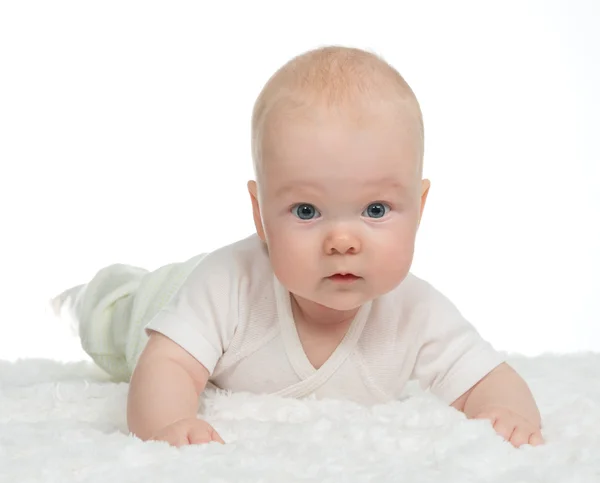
[(412, 308), (239, 261), (409, 298)]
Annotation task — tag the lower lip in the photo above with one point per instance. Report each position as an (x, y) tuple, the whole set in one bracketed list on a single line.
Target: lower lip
[(343, 278)]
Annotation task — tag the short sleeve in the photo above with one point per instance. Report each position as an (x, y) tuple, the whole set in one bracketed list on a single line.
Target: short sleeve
[(452, 356), (201, 316)]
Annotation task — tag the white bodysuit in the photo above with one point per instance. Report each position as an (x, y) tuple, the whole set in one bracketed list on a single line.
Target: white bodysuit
[(230, 312)]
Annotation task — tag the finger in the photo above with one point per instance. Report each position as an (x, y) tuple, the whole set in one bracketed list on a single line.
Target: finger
[(199, 435), (489, 416), (520, 436), (178, 440), (536, 439), (504, 428), (215, 437), (173, 440)]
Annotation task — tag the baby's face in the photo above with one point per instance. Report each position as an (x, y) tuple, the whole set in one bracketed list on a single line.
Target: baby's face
[(340, 204)]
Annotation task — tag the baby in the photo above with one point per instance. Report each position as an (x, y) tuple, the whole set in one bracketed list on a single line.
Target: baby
[(320, 301)]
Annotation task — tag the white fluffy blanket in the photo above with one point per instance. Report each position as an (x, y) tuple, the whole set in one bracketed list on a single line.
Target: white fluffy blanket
[(63, 422)]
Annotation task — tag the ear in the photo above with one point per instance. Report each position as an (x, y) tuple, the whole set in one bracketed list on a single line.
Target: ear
[(252, 189), (425, 185)]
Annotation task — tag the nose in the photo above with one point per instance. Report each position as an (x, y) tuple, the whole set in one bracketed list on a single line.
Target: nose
[(341, 242)]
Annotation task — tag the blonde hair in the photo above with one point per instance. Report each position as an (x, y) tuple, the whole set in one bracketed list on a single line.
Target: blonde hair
[(333, 76)]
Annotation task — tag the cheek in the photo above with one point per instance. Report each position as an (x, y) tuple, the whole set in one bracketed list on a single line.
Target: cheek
[(394, 247), (279, 236), (291, 255), (285, 234)]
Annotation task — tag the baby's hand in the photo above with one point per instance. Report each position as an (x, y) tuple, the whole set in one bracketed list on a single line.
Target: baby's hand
[(187, 431), (512, 426)]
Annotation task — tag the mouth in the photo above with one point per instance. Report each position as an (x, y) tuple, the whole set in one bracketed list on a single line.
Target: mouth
[(343, 277)]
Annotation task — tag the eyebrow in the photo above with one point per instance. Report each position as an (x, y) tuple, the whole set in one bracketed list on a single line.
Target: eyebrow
[(301, 186), (386, 183)]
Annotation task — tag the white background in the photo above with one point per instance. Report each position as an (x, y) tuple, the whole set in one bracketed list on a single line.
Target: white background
[(124, 137)]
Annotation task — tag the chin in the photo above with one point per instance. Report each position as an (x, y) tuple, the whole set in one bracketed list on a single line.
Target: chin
[(344, 303)]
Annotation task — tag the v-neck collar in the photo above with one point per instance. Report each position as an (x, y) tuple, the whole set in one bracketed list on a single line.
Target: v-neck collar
[(293, 346)]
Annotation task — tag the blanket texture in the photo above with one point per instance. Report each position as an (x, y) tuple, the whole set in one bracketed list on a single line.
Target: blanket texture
[(63, 422)]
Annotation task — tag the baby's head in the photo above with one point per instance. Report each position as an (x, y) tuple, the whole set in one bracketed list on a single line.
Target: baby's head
[(337, 144)]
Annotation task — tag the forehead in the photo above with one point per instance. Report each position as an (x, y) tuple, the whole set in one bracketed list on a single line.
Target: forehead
[(338, 145)]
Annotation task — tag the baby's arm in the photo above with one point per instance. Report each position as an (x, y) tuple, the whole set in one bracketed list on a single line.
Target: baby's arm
[(165, 388), (504, 397)]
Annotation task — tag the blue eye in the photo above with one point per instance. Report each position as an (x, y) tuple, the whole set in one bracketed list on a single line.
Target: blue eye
[(376, 210), (305, 211)]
